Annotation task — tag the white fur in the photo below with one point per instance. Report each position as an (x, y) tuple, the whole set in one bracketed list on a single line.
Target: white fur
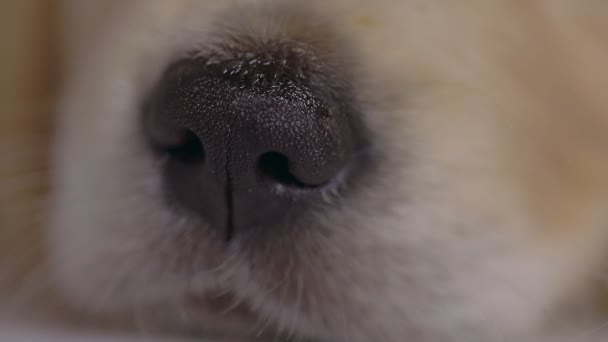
[(439, 246)]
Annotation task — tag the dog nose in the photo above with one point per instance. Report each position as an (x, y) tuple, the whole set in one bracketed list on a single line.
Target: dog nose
[(253, 138)]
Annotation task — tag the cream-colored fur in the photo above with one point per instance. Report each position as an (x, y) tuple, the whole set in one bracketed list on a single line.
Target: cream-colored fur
[(486, 218)]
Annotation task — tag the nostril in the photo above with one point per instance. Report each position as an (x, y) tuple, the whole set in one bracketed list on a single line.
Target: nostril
[(274, 166), (189, 149), (179, 144), (172, 139)]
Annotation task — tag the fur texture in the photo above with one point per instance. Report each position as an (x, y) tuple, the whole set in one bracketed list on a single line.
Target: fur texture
[(483, 219)]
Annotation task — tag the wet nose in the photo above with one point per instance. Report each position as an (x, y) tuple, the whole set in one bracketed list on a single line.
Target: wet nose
[(255, 137)]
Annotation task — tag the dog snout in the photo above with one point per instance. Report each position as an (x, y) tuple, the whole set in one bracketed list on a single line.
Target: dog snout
[(253, 136)]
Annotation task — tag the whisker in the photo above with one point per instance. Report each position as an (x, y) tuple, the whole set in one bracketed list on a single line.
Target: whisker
[(283, 325), (236, 302), (296, 308), (264, 322)]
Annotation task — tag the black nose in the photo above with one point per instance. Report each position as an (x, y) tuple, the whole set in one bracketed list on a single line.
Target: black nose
[(254, 137)]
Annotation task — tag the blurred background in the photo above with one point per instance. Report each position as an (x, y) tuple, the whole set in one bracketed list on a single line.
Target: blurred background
[(28, 84), (28, 61)]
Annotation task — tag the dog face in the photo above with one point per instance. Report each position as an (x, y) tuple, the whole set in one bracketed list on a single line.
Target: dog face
[(341, 170)]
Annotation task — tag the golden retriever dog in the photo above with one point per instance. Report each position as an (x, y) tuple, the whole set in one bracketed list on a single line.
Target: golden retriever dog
[(323, 170)]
